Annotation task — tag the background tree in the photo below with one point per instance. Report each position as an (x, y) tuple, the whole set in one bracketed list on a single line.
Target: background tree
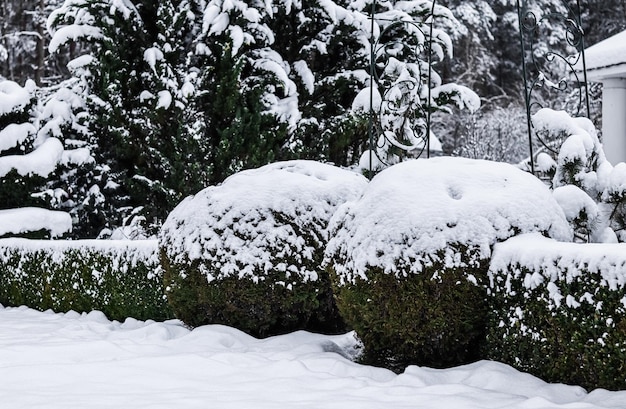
[(17, 134), (175, 95), (603, 19), (136, 94), (326, 46), (244, 85), (24, 40), (494, 56)]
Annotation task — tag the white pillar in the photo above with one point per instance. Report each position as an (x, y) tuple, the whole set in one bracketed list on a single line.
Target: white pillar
[(614, 119)]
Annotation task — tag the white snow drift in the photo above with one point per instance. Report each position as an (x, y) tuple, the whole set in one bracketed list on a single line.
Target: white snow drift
[(78, 361)]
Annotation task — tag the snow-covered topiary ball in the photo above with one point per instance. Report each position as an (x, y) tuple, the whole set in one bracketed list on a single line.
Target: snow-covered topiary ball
[(409, 258), (247, 253)]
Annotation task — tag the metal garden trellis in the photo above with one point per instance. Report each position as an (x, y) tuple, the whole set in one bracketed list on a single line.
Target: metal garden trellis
[(535, 63), (535, 75), (379, 58)]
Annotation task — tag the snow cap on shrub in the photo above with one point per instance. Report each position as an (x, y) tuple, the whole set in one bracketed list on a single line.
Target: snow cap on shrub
[(240, 228), (416, 209), (580, 151), (575, 203)]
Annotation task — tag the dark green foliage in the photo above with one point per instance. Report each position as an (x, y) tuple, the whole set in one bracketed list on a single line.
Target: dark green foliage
[(342, 141), (583, 345), (259, 307), (602, 19), (436, 318), (329, 129), (36, 235), (16, 190), (119, 283), (238, 134)]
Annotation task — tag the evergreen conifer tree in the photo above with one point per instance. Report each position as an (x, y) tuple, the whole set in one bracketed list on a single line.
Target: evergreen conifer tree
[(137, 92), (181, 94), (242, 81)]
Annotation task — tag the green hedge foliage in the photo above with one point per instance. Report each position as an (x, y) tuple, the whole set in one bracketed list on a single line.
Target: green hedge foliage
[(278, 304), (559, 310), (120, 279), (436, 318)]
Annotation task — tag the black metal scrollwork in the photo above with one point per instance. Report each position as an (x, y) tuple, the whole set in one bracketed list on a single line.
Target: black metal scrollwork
[(401, 58), (540, 64)]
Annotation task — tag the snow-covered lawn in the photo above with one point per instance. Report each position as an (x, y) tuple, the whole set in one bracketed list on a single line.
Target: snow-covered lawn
[(85, 361)]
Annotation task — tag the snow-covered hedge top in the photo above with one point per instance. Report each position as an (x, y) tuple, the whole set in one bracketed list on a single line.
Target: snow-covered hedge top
[(254, 222), (124, 253), (549, 261), (413, 210)]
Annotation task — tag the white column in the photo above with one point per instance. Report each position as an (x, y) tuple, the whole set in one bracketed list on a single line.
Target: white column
[(614, 119)]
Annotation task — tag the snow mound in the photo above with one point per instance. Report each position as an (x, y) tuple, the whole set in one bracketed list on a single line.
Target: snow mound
[(416, 209), (13, 97), (29, 219), (494, 376), (255, 220)]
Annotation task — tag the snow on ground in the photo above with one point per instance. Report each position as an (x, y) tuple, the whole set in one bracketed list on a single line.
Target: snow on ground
[(84, 361)]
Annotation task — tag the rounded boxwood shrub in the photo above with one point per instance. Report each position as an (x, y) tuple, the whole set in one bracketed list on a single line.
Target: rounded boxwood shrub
[(559, 310), (248, 253), (409, 259)]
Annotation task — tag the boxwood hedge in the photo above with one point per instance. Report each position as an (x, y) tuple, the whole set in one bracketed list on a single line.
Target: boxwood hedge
[(121, 279), (436, 318), (559, 310)]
